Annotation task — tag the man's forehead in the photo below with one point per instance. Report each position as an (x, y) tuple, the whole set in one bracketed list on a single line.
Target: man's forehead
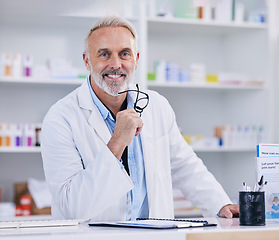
[(107, 31), (112, 37)]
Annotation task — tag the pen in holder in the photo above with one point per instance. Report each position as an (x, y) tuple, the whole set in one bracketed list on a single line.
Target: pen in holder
[(251, 208)]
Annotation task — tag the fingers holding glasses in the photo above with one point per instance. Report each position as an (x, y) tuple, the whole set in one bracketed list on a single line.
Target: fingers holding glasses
[(128, 123), (140, 102)]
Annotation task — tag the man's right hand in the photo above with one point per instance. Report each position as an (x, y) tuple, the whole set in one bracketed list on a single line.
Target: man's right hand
[(128, 124)]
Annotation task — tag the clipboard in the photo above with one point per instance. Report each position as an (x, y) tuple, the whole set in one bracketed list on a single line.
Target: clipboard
[(154, 223)]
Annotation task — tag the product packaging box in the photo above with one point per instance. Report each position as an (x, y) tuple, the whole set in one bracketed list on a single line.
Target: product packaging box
[(268, 167), (21, 189)]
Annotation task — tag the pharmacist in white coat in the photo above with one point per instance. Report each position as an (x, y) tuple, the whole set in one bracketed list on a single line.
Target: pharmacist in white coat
[(106, 157)]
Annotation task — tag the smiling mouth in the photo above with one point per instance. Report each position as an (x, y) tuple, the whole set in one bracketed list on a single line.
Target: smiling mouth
[(114, 76)]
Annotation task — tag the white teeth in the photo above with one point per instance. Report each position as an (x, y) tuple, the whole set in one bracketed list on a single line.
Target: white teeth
[(114, 76)]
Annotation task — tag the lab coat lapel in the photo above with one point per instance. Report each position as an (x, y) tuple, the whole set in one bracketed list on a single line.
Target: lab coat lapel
[(97, 122), (148, 155), (95, 118)]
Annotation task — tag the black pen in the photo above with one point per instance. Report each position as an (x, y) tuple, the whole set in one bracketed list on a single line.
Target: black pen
[(260, 183)]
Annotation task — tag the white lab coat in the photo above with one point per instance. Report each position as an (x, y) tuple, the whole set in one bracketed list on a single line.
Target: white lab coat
[(85, 179)]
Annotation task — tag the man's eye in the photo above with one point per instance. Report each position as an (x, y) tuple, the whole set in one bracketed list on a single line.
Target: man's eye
[(125, 54), (104, 54)]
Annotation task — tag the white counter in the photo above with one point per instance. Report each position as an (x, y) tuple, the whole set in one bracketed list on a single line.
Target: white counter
[(226, 229)]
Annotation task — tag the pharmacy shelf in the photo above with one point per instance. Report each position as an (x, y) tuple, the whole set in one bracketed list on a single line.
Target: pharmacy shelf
[(75, 81), (197, 149), (38, 80), (160, 24), (201, 22), (20, 149), (206, 86), (224, 149)]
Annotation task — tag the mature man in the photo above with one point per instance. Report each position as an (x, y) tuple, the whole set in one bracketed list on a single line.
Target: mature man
[(104, 160)]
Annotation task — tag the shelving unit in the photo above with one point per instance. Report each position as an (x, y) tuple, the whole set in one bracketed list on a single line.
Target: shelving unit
[(210, 86), (223, 47), (160, 24), (46, 31), (58, 33), (20, 149), (197, 149), (33, 80), (225, 149)]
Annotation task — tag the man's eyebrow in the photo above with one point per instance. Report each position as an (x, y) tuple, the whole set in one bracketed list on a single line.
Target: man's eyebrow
[(126, 49), (103, 50)]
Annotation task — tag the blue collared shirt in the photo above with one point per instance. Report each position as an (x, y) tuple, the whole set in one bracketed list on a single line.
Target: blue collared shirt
[(137, 203)]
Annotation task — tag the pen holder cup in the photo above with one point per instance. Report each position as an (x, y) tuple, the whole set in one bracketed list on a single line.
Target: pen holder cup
[(251, 208)]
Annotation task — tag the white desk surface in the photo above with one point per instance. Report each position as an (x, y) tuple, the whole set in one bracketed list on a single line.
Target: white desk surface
[(226, 229)]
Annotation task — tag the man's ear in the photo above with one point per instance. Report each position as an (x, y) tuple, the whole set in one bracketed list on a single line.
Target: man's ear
[(86, 61), (137, 60)]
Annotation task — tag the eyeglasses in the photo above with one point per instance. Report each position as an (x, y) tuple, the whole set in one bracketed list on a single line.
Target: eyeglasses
[(140, 103)]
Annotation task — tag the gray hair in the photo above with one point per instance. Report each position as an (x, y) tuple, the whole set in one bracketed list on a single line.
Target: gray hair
[(112, 21)]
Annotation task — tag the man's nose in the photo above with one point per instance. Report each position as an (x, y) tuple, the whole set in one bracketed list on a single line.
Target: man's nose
[(115, 62)]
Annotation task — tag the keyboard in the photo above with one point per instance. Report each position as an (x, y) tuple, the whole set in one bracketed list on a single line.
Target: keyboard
[(38, 223)]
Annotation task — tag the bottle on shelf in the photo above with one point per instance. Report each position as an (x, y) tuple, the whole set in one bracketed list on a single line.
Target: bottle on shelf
[(27, 66)]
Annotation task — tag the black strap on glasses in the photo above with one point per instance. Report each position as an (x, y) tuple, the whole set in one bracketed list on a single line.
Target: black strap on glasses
[(137, 108)]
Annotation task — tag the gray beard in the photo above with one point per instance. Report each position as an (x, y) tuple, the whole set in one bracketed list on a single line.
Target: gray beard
[(113, 87)]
